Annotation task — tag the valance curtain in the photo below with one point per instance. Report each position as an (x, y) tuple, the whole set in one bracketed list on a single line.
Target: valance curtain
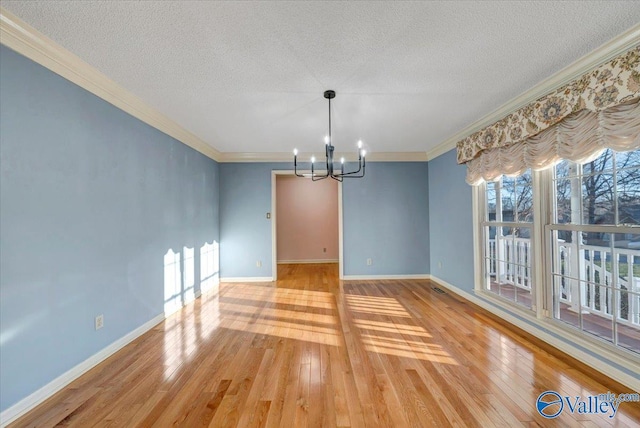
[(577, 121), (580, 137)]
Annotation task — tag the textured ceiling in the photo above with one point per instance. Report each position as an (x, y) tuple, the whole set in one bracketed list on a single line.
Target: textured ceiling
[(249, 76)]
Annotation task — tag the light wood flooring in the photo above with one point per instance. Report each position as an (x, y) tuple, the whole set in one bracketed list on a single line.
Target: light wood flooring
[(310, 350)]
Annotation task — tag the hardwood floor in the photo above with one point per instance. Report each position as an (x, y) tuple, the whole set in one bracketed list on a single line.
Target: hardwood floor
[(312, 351)]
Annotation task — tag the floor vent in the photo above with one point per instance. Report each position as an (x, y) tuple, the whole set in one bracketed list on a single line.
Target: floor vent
[(438, 290)]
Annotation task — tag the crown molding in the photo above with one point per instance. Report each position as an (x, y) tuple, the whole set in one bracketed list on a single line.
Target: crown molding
[(349, 157), (27, 41), (231, 157), (600, 55)]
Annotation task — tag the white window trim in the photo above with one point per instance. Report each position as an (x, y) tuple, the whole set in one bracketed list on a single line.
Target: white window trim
[(542, 318), (479, 215)]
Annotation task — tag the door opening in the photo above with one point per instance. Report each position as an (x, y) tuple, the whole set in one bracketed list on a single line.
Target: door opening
[(306, 221)]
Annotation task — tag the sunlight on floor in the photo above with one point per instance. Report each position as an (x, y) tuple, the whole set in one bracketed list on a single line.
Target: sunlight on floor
[(371, 305), (288, 313), (285, 296), (280, 314), (284, 329), (389, 337), (384, 324), (389, 327), (409, 349), (180, 342)]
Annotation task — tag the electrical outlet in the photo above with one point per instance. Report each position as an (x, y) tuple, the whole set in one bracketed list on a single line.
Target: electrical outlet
[(369, 262), (99, 322), (259, 263), (324, 250), (439, 265)]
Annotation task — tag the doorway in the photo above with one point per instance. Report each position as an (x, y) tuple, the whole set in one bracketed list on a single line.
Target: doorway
[(311, 248)]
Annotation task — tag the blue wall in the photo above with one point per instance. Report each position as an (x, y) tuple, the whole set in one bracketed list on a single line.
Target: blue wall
[(91, 199), (245, 200), (386, 218), (451, 222)]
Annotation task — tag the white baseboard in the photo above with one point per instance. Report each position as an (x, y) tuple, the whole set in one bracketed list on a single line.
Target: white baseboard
[(307, 261), (374, 277), (563, 346), (31, 401), (248, 279)]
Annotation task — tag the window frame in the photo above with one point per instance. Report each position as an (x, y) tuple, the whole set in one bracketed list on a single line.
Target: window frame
[(542, 314), (601, 344), (481, 222)]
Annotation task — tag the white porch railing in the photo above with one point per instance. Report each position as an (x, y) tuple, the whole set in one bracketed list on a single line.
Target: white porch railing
[(510, 261), (587, 278), (594, 275)]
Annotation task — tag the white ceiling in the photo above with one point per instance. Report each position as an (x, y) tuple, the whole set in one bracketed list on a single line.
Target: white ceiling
[(249, 76)]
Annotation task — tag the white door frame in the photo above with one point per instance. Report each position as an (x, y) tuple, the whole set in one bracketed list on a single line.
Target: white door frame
[(274, 246)]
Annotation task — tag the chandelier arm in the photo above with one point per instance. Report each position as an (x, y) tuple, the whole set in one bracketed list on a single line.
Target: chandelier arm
[(319, 177), (354, 176), (360, 167), (352, 172), (315, 177), (295, 167)]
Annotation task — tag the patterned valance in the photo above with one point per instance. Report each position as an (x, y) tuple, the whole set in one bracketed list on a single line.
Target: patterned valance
[(579, 137), (611, 84)]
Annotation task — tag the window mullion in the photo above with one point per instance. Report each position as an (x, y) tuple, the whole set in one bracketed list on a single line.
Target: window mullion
[(498, 187), (479, 207), (616, 218), (541, 216), (615, 275), (500, 256)]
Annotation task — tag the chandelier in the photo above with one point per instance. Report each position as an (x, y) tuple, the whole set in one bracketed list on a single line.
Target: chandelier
[(330, 168)]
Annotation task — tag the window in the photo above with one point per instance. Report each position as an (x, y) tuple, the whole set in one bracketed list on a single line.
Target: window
[(595, 242), (507, 231), (584, 278)]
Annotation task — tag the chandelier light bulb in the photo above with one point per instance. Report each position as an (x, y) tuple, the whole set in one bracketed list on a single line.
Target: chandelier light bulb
[(341, 160), (359, 144), (295, 152), (313, 159), (326, 139), (364, 153)]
